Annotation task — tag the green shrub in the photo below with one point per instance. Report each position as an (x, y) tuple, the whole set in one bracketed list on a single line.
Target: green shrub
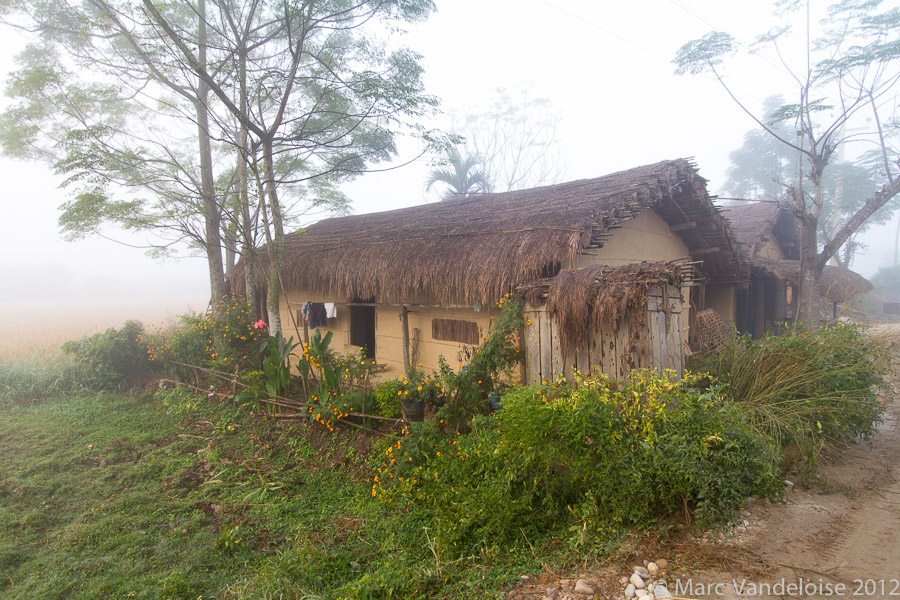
[(489, 369), (805, 389), (222, 340), (598, 456), (111, 359), (388, 398)]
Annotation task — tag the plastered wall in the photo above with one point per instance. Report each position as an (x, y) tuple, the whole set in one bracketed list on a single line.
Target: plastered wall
[(389, 331), (646, 237), (721, 299)]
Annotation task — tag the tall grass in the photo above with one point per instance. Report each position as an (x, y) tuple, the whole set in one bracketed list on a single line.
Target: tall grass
[(806, 389), (42, 375)]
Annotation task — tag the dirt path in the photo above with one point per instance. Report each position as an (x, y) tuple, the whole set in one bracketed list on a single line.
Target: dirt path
[(842, 541), (839, 539)]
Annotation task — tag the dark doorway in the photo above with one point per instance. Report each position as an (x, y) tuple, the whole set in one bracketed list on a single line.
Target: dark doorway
[(362, 329)]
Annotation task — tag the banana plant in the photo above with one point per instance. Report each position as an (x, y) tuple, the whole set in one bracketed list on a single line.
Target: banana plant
[(321, 357), (276, 351)]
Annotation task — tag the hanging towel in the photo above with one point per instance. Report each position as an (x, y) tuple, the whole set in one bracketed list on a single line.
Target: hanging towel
[(330, 310)]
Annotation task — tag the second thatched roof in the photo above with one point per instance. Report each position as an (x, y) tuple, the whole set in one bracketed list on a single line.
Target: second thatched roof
[(756, 223), (837, 284), (477, 249)]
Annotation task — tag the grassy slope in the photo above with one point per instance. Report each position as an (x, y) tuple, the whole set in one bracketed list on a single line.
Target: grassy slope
[(119, 496)]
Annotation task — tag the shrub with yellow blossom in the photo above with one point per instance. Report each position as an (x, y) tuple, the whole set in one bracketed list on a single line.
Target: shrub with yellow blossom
[(222, 339), (597, 455)]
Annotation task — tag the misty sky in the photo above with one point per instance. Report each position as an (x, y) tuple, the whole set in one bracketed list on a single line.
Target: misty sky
[(605, 67)]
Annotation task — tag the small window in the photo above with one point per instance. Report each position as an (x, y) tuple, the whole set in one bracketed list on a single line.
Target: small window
[(455, 330)]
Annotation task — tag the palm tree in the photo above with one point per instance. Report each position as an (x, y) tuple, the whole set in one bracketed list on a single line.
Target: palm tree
[(463, 176)]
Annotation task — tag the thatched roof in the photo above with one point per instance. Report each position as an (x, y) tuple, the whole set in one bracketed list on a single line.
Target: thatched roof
[(837, 284), (597, 296), (479, 248), (756, 223)]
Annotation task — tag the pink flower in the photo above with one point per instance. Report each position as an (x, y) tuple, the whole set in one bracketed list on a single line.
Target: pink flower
[(260, 324)]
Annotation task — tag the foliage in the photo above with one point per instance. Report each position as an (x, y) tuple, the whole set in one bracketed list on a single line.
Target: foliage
[(388, 397), (300, 95), (111, 359), (887, 281), (222, 339), (463, 176), (489, 368), (763, 168), (414, 387), (277, 353), (844, 71), (804, 388), (516, 139), (603, 455)]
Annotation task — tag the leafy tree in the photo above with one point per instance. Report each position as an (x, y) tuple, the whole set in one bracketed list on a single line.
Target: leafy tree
[(315, 93), (887, 281), (130, 134), (462, 176), (849, 70), (289, 99)]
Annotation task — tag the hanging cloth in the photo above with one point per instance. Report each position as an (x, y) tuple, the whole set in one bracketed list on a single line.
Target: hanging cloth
[(330, 310), (316, 315)]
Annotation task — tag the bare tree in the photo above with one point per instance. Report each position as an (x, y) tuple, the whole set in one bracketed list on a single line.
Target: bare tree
[(515, 137), (851, 69)]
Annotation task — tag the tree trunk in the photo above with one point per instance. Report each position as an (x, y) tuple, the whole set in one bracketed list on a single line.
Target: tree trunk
[(276, 252), (211, 212), (230, 238), (810, 271), (248, 225)]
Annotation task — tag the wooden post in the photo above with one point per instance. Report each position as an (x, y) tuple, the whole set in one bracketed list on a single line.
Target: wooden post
[(404, 321)]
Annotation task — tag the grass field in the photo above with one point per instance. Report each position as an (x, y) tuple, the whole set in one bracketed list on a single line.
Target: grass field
[(134, 497)]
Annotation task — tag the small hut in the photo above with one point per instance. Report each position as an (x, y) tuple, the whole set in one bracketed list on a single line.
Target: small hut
[(770, 235)]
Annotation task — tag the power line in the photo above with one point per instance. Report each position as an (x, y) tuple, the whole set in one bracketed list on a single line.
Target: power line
[(695, 13), (605, 30)]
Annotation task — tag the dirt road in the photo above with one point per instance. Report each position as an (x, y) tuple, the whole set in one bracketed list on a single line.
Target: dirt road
[(840, 539)]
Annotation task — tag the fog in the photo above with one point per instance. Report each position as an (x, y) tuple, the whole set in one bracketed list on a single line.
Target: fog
[(605, 67)]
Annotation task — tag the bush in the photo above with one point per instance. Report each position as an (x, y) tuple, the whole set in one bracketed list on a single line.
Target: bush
[(111, 359), (223, 340), (598, 456), (805, 389)]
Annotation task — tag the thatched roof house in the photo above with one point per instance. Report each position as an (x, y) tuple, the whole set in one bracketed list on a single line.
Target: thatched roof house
[(477, 249), (770, 235), (451, 261)]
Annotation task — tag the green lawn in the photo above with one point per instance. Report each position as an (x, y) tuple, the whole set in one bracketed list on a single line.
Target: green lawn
[(128, 496)]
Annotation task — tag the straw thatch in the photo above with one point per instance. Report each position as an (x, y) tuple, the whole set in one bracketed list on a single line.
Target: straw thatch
[(476, 249), (837, 284), (594, 297), (756, 223)]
